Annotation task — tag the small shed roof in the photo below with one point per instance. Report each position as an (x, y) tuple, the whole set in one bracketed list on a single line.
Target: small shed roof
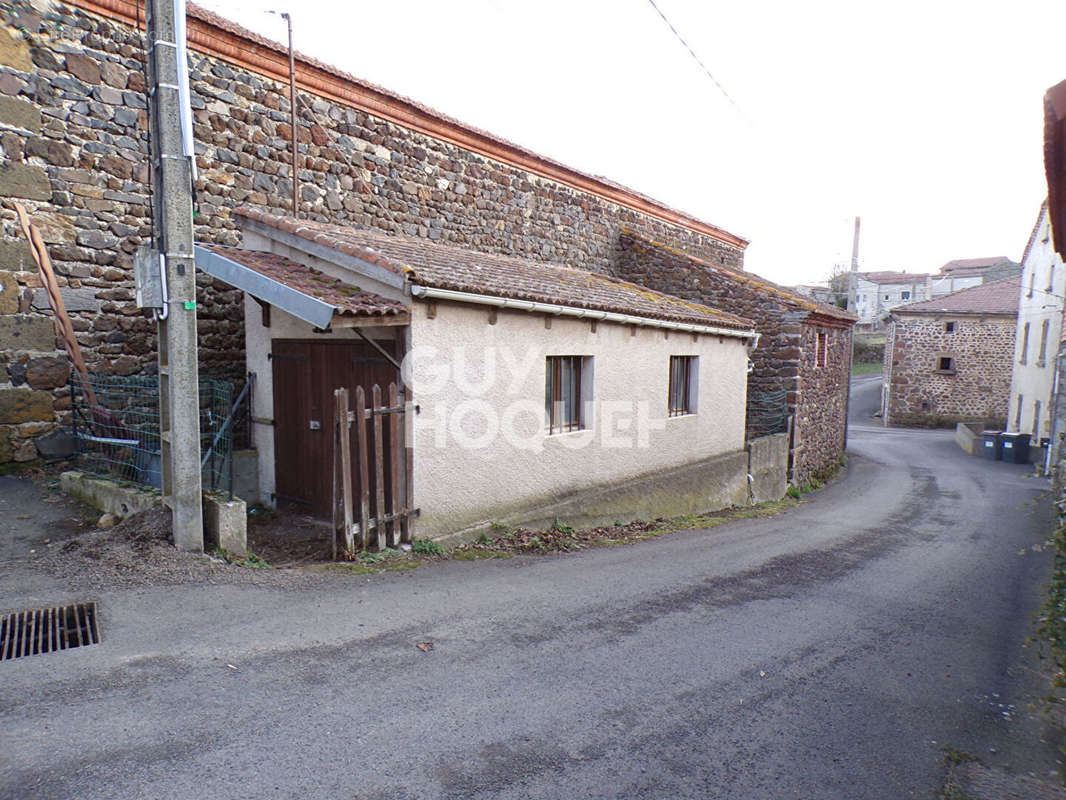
[(998, 297), (298, 289), (437, 266)]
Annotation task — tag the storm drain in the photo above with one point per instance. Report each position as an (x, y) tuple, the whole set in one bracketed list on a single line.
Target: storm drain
[(46, 630)]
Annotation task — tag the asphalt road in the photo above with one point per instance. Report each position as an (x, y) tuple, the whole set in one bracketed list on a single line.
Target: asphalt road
[(826, 653)]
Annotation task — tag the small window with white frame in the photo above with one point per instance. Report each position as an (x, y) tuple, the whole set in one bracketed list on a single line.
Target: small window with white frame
[(684, 385), (567, 390)]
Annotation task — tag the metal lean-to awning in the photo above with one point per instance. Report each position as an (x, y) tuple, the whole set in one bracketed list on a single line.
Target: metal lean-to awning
[(306, 293)]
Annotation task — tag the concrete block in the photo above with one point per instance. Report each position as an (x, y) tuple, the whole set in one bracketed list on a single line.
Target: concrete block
[(968, 437), (20, 114), (26, 181), (108, 496), (226, 525), (25, 332), (768, 467)]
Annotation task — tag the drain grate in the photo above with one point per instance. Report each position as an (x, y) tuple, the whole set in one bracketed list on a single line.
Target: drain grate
[(45, 630)]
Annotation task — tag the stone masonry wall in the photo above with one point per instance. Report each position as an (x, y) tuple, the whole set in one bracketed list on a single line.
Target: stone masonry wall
[(785, 357), (822, 410), (73, 150), (976, 389)]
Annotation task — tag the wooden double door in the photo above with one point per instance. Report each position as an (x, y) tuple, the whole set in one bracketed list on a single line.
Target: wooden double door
[(305, 375)]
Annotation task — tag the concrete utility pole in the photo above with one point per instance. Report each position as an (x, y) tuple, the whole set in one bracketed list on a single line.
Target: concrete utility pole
[(179, 394), (853, 276)]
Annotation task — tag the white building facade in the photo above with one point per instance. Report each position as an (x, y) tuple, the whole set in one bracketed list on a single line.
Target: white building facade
[(1040, 309)]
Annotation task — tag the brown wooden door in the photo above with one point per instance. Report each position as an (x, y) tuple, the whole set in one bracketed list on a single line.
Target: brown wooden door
[(305, 375)]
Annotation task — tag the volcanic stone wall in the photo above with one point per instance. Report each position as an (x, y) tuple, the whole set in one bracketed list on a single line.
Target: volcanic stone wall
[(73, 150), (786, 358), (977, 386)]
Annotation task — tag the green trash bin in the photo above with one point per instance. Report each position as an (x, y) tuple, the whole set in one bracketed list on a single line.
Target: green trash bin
[(1015, 447), (992, 445)]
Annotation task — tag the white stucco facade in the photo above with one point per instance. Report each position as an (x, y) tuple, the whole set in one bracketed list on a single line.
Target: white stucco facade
[(1040, 308), (482, 449), (874, 300)]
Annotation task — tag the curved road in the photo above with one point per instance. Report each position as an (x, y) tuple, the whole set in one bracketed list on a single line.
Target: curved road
[(826, 653)]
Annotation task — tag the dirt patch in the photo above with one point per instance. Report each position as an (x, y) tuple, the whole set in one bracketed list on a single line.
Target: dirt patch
[(138, 551), (285, 539)]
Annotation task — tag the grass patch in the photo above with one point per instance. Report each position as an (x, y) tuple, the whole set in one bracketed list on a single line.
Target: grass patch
[(427, 547), (250, 561), (954, 757), (372, 568), (563, 538), (859, 368)]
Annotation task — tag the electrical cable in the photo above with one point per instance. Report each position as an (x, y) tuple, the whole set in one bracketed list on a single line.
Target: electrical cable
[(692, 52)]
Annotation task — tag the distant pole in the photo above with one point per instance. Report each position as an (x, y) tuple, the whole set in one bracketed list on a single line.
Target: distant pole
[(292, 111), (854, 274), (179, 394)]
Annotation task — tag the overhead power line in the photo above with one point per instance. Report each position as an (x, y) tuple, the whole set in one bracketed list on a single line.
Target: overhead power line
[(692, 52)]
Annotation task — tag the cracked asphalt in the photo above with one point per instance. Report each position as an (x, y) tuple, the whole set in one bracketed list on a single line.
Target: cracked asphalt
[(825, 653)]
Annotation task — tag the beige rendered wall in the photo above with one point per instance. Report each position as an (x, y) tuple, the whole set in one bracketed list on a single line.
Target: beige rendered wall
[(481, 449)]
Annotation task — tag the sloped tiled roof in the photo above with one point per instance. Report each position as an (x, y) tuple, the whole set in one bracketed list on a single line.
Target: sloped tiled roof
[(975, 263), (345, 298), (439, 266), (998, 297), (887, 276)]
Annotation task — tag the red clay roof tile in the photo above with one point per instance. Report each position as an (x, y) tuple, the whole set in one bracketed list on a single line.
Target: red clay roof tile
[(445, 267), (998, 297), (345, 298)]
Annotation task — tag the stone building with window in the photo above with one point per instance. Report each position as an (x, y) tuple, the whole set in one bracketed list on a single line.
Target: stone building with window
[(948, 360), (802, 368)]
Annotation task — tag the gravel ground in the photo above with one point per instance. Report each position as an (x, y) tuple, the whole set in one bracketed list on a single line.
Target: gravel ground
[(138, 552)]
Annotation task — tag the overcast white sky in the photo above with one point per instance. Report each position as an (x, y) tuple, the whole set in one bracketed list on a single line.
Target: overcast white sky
[(924, 118)]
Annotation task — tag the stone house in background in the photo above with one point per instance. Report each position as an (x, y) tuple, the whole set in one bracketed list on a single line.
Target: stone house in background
[(877, 293), (947, 360), (964, 273), (801, 370), (1040, 309)]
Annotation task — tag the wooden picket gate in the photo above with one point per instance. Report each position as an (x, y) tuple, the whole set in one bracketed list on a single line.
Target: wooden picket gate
[(382, 475)]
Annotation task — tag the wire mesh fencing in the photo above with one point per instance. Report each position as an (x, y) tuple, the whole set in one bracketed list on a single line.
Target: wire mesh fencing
[(767, 413), (118, 436)]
